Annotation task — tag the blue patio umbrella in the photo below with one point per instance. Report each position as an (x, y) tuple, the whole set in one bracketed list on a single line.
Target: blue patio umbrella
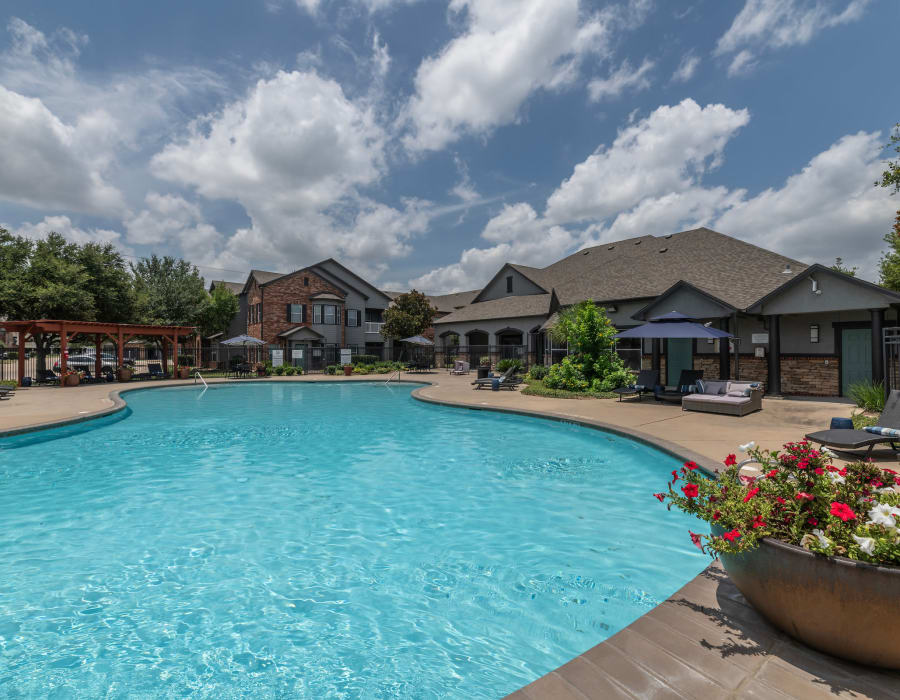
[(673, 325), (417, 340), (243, 340)]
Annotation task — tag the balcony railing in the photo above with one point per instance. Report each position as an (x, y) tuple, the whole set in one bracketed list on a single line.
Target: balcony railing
[(373, 327)]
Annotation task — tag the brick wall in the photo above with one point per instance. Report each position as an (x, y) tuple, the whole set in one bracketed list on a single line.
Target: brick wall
[(291, 290), (810, 376)]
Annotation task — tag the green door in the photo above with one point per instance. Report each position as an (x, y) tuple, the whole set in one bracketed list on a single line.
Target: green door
[(856, 357), (679, 356)]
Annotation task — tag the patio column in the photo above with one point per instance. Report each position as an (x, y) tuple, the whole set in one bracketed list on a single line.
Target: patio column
[(773, 384), (877, 345), (724, 359), (98, 346), (175, 352), (21, 373), (655, 362), (63, 350), (165, 355), (121, 348)]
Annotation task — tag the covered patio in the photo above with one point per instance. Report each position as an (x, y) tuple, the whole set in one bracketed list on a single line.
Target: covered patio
[(118, 333)]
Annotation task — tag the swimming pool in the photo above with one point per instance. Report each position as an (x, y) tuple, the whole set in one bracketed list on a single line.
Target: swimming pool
[(321, 540)]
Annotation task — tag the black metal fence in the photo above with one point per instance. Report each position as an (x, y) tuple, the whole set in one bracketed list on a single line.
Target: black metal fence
[(446, 355), (891, 349)]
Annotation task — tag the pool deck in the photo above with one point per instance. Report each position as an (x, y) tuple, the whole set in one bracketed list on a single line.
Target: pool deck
[(703, 642)]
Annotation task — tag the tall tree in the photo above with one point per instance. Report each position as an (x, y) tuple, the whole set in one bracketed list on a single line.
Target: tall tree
[(889, 265), (110, 281), (409, 315), (890, 178), (170, 291), (840, 267), (220, 308)]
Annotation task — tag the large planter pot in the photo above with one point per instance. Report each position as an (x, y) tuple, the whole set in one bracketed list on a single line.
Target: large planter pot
[(72, 380), (183, 372), (846, 608), (483, 372), (348, 370), (124, 375)]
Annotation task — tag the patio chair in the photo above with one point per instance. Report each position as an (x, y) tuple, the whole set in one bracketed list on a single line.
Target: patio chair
[(850, 439), (686, 380), (645, 383), (460, 367), (47, 376), (155, 371), (506, 380)]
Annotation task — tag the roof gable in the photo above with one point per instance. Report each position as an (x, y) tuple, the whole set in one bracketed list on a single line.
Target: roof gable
[(520, 269), (688, 299)]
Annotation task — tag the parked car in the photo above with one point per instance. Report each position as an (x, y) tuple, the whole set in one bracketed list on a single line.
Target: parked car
[(83, 360)]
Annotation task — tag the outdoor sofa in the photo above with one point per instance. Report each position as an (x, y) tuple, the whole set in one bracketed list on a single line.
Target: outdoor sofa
[(645, 383), (729, 398), (850, 439)]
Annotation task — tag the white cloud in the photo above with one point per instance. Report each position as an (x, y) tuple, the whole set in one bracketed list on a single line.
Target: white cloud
[(775, 24), (63, 225), (623, 78), (665, 152), (509, 50), (829, 209), (686, 68)]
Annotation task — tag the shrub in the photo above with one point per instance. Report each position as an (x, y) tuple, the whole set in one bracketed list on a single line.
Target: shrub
[(800, 498), (278, 371), (504, 365), (363, 369), (485, 361), (364, 359), (333, 369), (538, 372), (868, 395), (612, 379), (290, 370), (568, 375)]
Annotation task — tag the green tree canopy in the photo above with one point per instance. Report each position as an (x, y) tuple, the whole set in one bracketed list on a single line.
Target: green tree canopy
[(220, 308), (409, 315), (169, 291), (840, 267), (889, 265), (890, 178)]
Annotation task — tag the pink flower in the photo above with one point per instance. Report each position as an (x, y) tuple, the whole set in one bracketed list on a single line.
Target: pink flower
[(819, 471), (660, 497), (697, 540), (802, 495)]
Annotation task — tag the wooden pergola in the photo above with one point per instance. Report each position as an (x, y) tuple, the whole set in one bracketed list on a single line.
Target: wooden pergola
[(119, 333)]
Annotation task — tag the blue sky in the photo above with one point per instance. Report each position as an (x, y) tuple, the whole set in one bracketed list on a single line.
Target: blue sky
[(425, 143)]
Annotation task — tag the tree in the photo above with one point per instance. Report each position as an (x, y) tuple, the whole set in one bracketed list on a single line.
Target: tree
[(220, 308), (840, 267), (169, 291), (110, 282), (409, 315), (890, 178), (889, 265), (591, 341)]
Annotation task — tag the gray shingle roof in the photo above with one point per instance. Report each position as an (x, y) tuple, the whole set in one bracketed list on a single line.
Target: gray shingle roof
[(262, 276), (507, 307), (233, 287), (447, 303)]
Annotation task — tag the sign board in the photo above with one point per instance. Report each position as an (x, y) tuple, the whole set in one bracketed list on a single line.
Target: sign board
[(277, 358), (760, 338), (297, 354), (345, 356), (759, 352)]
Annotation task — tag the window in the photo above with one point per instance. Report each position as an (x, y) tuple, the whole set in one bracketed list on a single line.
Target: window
[(296, 313), (317, 313), (306, 281), (814, 333), (352, 317), (509, 285), (330, 315)]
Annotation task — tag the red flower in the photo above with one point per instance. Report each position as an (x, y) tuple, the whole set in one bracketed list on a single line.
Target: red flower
[(780, 500), (697, 540), (803, 464), (842, 511), (731, 536), (751, 493), (889, 471), (843, 472), (730, 461), (690, 466), (812, 521), (771, 474), (819, 471), (717, 515), (758, 522), (674, 476), (660, 497), (802, 495), (690, 490)]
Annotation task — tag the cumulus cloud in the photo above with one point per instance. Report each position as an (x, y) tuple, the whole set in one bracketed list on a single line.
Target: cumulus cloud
[(665, 152), (774, 24), (686, 68), (509, 50), (623, 78), (64, 226)]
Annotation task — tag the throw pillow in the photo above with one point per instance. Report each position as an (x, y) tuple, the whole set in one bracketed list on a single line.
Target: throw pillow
[(700, 386), (886, 432), (738, 393)]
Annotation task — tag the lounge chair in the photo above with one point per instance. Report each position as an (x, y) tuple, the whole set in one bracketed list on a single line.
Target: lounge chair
[(47, 376), (155, 371), (849, 439), (686, 380), (645, 383), (507, 380), (460, 367)]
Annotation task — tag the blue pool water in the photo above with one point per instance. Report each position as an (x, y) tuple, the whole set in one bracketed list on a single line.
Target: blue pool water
[(321, 540)]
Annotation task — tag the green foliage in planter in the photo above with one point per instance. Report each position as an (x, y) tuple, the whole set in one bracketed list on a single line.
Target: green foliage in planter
[(333, 369), (484, 360), (861, 420), (538, 371), (504, 365), (536, 387), (868, 395), (800, 498)]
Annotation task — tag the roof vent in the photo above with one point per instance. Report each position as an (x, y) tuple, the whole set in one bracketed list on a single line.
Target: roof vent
[(787, 270), (611, 247), (668, 237), (663, 250), (637, 242), (586, 252)]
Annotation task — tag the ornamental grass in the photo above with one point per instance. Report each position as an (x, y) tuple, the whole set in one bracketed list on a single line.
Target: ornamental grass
[(799, 497)]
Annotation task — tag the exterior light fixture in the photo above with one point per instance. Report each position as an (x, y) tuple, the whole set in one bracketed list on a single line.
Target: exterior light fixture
[(814, 333)]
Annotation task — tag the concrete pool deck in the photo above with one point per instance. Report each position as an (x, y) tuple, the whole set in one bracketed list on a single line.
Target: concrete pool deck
[(703, 642)]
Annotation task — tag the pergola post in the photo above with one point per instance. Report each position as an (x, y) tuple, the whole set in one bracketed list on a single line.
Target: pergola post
[(22, 336), (175, 352), (165, 355), (773, 385), (120, 349), (98, 345), (63, 351)]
